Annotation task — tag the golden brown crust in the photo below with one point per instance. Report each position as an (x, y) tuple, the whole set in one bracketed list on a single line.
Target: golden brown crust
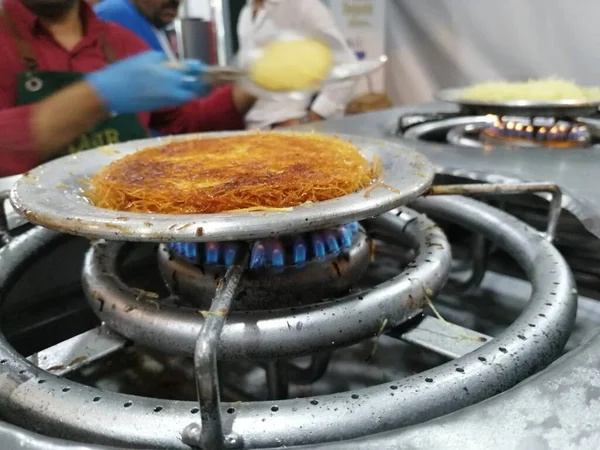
[(216, 174)]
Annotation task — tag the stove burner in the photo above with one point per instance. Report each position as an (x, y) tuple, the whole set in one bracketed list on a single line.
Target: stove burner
[(276, 253), (509, 131), (544, 132), (482, 367), (287, 271)]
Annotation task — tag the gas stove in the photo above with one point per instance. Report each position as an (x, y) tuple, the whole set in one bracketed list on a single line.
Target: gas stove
[(284, 372), (517, 135), (361, 331)]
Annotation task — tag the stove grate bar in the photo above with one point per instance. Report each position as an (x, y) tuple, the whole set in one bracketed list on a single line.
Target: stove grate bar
[(444, 338), (79, 351), (210, 434), (541, 189)]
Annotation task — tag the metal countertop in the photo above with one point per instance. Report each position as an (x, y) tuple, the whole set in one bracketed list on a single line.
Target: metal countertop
[(576, 171), (556, 409)]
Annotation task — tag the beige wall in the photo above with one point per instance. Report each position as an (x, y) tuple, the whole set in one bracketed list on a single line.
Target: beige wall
[(444, 43)]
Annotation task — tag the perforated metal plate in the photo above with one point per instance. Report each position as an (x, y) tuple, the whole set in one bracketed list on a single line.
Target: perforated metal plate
[(53, 195)]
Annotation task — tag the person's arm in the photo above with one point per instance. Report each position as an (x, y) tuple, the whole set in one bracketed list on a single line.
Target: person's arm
[(80, 109), (32, 133), (29, 134), (242, 100), (317, 20), (223, 109)]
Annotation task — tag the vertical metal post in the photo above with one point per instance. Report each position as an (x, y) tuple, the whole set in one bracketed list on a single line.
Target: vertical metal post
[(219, 10), (480, 251), (277, 382), (5, 236), (210, 435)]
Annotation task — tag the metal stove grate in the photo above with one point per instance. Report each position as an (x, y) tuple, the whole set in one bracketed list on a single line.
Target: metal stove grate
[(481, 366)]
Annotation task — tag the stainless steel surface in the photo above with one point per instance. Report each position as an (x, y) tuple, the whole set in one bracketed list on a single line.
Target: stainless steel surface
[(455, 125), (530, 343), (194, 37), (464, 135), (211, 434), (52, 196), (449, 340), (576, 172), (79, 351), (553, 410), (557, 408), (480, 250), (555, 108), (5, 236), (267, 289), (6, 183), (497, 300), (13, 220), (271, 334), (12, 437)]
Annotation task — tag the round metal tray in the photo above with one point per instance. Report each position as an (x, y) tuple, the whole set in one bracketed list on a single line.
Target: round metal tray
[(558, 108), (53, 196)]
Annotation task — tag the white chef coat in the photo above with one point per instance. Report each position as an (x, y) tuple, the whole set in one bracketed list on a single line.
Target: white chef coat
[(309, 17)]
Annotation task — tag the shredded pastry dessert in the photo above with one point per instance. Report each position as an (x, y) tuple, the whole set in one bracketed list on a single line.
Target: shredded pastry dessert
[(255, 171)]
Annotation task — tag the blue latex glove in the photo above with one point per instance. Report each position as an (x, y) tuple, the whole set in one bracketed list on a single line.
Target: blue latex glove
[(144, 83)]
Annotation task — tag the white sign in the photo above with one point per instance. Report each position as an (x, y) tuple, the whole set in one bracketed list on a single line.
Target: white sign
[(363, 22)]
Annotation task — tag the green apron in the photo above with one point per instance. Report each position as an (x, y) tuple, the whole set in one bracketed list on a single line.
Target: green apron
[(34, 85)]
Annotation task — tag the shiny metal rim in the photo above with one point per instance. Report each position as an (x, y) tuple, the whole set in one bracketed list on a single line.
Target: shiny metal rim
[(52, 196), (454, 96), (529, 344), (415, 132), (274, 333)]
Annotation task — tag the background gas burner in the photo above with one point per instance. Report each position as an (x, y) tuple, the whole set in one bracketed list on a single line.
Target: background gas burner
[(460, 129), (536, 132), (500, 131), (285, 272)]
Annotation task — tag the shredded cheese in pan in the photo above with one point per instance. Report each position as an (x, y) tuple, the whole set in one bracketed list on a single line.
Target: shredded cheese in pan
[(546, 90)]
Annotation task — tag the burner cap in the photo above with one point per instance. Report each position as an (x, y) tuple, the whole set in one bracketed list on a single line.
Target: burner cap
[(286, 272), (536, 132)]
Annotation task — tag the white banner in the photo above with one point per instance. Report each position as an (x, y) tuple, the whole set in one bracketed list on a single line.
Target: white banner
[(363, 22)]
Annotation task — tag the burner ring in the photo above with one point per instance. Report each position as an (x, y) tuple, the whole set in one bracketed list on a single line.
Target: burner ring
[(265, 288), (273, 333), (486, 371)]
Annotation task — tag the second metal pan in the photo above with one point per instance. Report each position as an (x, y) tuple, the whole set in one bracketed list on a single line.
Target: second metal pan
[(53, 196), (557, 109)]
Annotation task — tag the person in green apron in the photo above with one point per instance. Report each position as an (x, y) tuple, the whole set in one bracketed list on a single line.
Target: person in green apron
[(71, 111)]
